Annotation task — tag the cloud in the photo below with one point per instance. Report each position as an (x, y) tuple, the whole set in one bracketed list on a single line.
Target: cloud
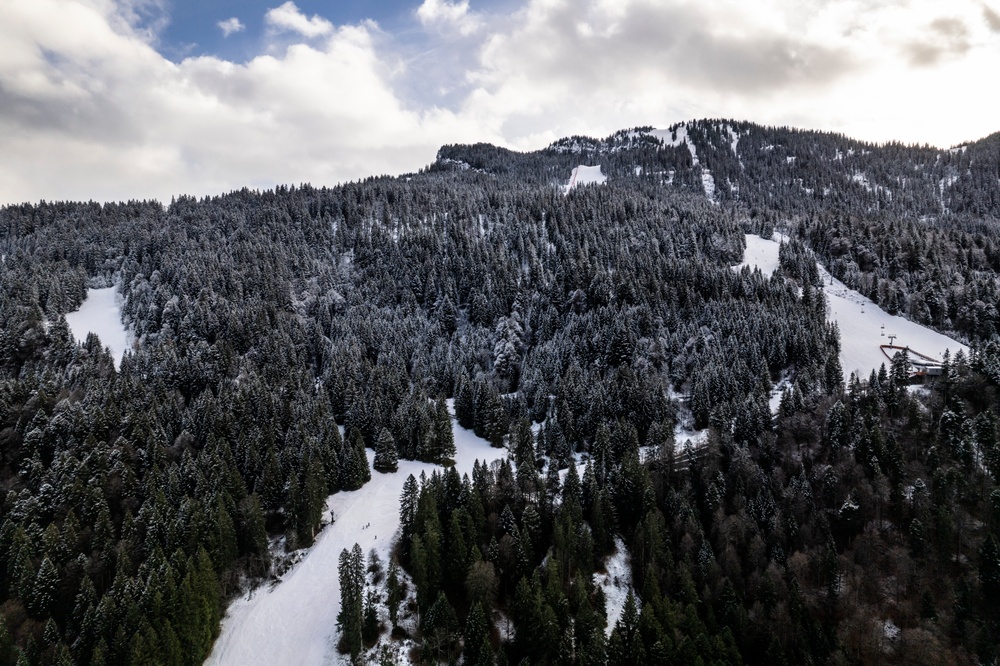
[(641, 59), (287, 17), (147, 18), (948, 36), (644, 43), (89, 109), (562, 67), (452, 15), (992, 18), (230, 25)]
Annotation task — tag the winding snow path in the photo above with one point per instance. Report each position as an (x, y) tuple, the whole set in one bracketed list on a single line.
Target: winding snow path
[(295, 622)]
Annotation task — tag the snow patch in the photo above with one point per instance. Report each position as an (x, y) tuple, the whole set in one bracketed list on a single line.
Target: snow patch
[(760, 253), (675, 137), (586, 175), (943, 185), (890, 630), (678, 136), (616, 583), (778, 392), (708, 184), (861, 178), (101, 314), (734, 140)]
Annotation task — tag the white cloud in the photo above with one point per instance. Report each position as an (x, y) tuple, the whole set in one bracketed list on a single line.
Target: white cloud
[(287, 17), (90, 110), (230, 25), (451, 15), (846, 65)]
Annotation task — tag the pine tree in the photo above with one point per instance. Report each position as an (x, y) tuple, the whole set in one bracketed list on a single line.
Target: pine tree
[(989, 570), (440, 627), (349, 618), (476, 636), (44, 589), (444, 437), (408, 507), (626, 647), (385, 453), (394, 593), (369, 623), (465, 405)]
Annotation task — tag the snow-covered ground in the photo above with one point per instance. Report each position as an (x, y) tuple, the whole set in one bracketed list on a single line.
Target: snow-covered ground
[(295, 622), (682, 137), (681, 133), (760, 252), (616, 583), (101, 314), (863, 325), (586, 175)]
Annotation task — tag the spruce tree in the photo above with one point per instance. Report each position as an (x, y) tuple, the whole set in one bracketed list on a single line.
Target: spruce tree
[(394, 593), (386, 459), (349, 618), (476, 635), (408, 507), (444, 438)]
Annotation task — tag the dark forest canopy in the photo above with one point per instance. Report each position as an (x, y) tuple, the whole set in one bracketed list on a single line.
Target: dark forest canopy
[(282, 333)]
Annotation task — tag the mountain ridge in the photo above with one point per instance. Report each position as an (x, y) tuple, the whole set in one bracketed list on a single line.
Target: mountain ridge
[(799, 170)]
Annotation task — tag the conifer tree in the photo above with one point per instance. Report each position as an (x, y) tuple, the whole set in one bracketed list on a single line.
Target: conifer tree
[(408, 507), (476, 636), (444, 438), (349, 618), (385, 453), (394, 593)]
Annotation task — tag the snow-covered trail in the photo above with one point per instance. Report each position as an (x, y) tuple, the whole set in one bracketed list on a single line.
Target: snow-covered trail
[(862, 323), (101, 314), (760, 253), (864, 326), (295, 622)]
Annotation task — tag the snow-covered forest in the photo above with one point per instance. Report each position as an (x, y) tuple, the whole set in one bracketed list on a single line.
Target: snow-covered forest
[(282, 344)]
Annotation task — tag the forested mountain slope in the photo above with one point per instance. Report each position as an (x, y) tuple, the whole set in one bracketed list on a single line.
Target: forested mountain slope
[(136, 501), (913, 228)]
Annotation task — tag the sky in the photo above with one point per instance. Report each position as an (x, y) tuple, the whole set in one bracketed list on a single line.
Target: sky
[(111, 100)]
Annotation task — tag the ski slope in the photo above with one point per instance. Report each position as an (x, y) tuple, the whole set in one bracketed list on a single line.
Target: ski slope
[(864, 326), (295, 621), (101, 314), (760, 253), (586, 175)]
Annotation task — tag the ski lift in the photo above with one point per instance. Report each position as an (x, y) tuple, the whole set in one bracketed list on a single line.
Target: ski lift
[(882, 335)]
